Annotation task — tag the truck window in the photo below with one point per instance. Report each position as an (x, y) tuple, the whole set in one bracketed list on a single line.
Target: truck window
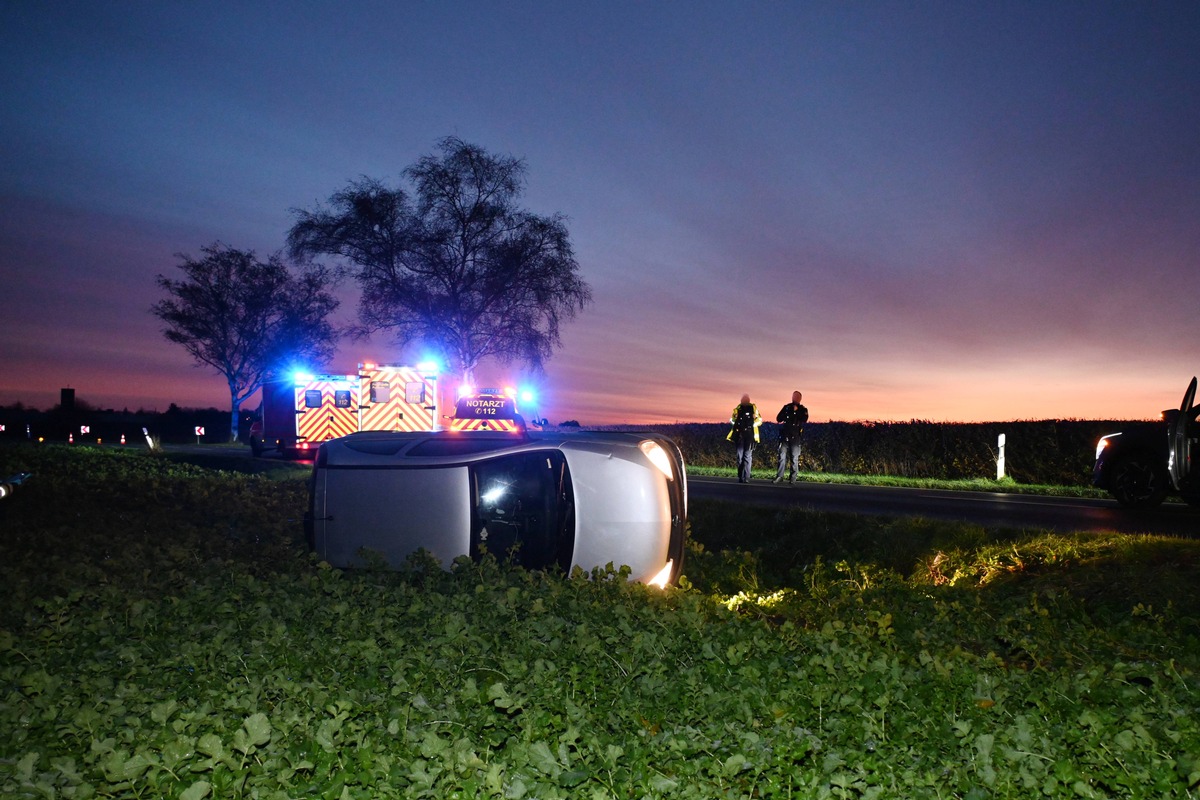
[(341, 398), (414, 392), (380, 391), (312, 398)]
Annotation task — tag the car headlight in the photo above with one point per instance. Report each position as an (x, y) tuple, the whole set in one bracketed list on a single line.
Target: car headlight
[(1103, 443), (664, 575), (658, 457)]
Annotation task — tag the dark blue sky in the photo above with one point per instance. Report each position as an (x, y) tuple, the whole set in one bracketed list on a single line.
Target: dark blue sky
[(949, 211)]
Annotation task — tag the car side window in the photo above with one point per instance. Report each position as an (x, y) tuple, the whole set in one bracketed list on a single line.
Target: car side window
[(523, 509)]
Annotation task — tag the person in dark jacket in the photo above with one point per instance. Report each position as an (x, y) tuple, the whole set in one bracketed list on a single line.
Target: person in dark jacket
[(743, 432), (791, 419)]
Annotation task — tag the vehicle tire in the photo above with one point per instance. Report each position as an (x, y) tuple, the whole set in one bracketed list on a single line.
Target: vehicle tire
[(1137, 482)]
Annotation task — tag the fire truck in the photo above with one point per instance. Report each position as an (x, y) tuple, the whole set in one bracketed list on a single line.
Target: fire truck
[(301, 410)]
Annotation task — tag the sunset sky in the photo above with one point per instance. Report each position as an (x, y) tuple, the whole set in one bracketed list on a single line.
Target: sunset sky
[(958, 211)]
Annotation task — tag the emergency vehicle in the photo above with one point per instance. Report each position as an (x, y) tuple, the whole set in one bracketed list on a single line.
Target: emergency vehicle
[(487, 410), (302, 410), (399, 398)]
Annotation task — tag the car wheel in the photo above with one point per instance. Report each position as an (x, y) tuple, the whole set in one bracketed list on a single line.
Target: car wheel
[(1137, 482)]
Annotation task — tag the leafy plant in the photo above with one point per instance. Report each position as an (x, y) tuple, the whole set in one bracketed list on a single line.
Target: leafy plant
[(164, 633)]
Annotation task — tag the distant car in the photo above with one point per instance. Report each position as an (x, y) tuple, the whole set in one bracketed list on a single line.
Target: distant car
[(547, 500), (8, 485), (255, 437), (1141, 465)]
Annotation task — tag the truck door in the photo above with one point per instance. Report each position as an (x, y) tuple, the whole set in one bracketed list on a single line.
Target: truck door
[(326, 408), (397, 399), (1178, 441), (341, 412)]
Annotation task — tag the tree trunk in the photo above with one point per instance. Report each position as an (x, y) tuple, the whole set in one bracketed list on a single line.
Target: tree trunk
[(236, 405)]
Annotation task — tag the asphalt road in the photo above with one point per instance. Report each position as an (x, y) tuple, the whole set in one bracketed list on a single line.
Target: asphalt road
[(992, 509)]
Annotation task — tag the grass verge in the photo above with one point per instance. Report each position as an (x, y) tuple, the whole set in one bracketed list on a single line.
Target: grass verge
[(1005, 485)]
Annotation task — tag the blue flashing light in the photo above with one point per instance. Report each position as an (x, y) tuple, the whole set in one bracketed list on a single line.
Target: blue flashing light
[(429, 366), (299, 376), (528, 396)]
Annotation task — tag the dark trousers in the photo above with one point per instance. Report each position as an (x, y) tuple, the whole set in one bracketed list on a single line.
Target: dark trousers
[(745, 455), (789, 456)]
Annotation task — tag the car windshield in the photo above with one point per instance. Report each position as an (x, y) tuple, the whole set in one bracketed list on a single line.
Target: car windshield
[(523, 508)]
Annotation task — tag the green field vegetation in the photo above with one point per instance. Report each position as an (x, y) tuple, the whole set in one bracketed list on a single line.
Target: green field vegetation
[(164, 633)]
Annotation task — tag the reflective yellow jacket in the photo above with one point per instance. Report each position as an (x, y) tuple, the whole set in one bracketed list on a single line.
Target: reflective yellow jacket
[(733, 421)]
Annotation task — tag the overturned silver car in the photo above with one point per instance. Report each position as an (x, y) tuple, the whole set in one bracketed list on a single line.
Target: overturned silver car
[(546, 500)]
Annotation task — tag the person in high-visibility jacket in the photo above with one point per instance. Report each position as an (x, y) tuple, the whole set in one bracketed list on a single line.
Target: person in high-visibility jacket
[(743, 432)]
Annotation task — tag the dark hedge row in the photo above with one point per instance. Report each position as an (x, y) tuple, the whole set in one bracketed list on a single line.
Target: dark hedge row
[(1054, 452)]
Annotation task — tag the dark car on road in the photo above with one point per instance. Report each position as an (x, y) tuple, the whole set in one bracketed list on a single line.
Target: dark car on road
[(1143, 464), (9, 484)]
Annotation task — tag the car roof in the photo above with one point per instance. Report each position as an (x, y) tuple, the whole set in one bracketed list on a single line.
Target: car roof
[(451, 447)]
